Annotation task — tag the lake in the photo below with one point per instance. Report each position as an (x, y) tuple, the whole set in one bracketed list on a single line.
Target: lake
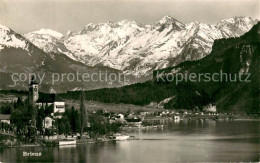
[(185, 140)]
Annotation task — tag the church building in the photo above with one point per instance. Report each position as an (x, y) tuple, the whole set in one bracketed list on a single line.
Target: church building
[(45, 100)]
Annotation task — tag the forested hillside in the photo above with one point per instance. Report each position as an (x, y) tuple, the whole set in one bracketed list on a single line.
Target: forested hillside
[(231, 56)]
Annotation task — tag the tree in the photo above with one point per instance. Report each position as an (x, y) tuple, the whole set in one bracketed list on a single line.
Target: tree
[(19, 102), (24, 118), (48, 110), (67, 127), (39, 119), (99, 125), (20, 119), (74, 120), (114, 127), (5, 109), (61, 128)]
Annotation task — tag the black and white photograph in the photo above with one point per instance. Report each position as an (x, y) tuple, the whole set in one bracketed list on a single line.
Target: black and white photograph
[(129, 81)]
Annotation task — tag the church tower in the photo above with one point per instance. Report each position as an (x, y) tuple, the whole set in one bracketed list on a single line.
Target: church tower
[(33, 91)]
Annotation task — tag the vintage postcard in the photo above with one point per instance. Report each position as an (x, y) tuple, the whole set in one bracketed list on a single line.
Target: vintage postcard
[(129, 81)]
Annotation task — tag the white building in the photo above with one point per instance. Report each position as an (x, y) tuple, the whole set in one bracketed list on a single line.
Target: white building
[(47, 123), (46, 100), (210, 108), (59, 106), (5, 118), (121, 116)]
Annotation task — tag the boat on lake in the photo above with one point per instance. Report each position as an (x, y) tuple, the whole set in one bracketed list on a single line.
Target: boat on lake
[(120, 137), (67, 141)]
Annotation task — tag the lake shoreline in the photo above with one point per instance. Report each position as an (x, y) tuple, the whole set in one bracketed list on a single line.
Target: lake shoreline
[(54, 143), (50, 143), (222, 141)]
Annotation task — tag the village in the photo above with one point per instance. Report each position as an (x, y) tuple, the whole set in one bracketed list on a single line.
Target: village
[(52, 122)]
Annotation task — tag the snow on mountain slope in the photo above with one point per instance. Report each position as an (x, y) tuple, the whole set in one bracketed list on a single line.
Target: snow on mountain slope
[(45, 39), (49, 41), (236, 25), (19, 55), (48, 32), (95, 41), (11, 39), (139, 49)]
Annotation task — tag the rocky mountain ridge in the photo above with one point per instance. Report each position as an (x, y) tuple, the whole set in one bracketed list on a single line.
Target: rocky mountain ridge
[(137, 49)]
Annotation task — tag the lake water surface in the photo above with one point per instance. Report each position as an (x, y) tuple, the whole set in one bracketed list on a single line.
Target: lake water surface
[(195, 140)]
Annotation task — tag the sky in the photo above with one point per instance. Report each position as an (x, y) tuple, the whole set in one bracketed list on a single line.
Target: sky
[(24, 16)]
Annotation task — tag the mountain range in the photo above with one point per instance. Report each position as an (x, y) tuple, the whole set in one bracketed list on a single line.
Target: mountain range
[(137, 49), (131, 48), (18, 55), (231, 56)]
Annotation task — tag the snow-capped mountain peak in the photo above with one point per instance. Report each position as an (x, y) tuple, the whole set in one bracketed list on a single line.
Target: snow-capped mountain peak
[(11, 39), (237, 24), (48, 32), (237, 19), (2, 27), (167, 19), (126, 22), (139, 49), (46, 39), (69, 33)]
